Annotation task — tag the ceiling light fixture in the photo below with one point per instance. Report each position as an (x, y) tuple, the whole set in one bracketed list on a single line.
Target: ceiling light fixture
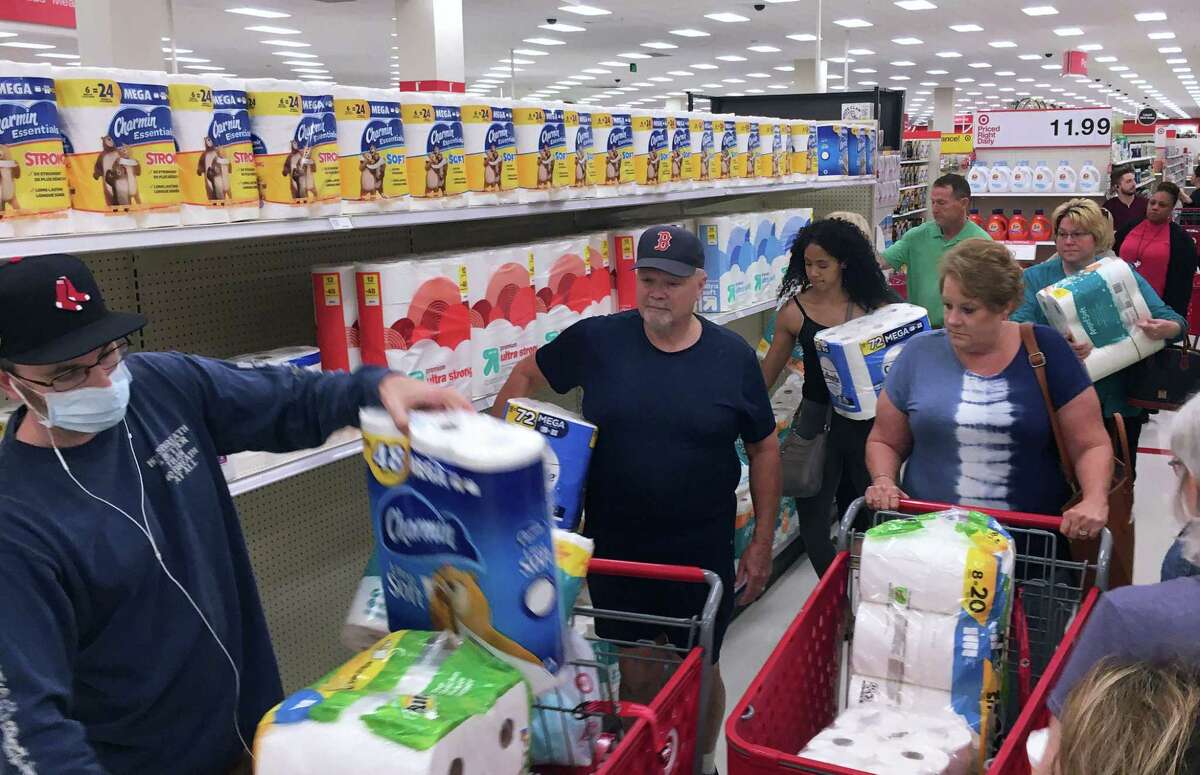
[(976, 65), (864, 70), (596, 70), (1005, 73), (726, 17), (688, 32), (784, 68), (966, 28), (936, 72), (634, 55), (53, 55), (1002, 44), (852, 24), (903, 63), (1161, 36), (731, 58), (1068, 32), (860, 52), (1151, 16), (949, 54), (1170, 50), (269, 30), (19, 44), (531, 52), (259, 13), (544, 41), (286, 43), (658, 44), (561, 27), (763, 49), (734, 80), (802, 37), (907, 41), (915, 5), (584, 10)]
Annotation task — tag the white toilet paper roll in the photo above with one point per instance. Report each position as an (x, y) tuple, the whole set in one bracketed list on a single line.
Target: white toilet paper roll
[(203, 178), (843, 751), (879, 692), (1035, 747), (35, 197), (903, 758), (232, 134), (956, 742), (906, 645)]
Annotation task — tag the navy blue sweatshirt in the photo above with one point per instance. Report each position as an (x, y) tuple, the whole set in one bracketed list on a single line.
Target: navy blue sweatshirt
[(104, 666)]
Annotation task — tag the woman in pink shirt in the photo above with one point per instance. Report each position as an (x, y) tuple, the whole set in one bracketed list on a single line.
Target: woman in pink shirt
[(1160, 250)]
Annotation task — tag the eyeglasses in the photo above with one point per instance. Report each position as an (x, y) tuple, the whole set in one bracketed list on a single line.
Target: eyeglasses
[(1076, 236), (108, 360)]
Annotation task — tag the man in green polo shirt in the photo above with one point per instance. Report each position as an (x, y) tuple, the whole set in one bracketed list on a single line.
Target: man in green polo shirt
[(921, 249)]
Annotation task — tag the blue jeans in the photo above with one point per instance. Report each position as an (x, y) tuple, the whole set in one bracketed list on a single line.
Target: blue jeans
[(1174, 565)]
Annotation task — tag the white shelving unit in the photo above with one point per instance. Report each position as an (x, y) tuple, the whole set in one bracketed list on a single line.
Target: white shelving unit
[(914, 161), (1050, 195), (911, 188)]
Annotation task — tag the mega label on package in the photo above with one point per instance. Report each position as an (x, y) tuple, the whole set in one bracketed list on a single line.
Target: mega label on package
[(571, 440), (855, 356)]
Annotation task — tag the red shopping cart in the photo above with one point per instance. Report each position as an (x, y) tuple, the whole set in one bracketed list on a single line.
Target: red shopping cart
[(804, 682), (661, 737)]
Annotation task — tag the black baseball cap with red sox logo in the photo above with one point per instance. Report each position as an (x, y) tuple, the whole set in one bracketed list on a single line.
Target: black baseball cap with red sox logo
[(671, 249), (51, 311)]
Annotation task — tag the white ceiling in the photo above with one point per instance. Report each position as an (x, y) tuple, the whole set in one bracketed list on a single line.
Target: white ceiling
[(354, 41)]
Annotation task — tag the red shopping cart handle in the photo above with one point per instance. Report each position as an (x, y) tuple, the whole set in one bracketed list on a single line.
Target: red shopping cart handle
[(647, 570), (1013, 518)]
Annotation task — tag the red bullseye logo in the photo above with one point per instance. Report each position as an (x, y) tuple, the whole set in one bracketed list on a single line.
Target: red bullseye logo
[(984, 119)]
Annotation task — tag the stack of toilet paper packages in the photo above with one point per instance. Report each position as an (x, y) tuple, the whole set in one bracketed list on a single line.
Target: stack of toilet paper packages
[(769, 255), (295, 140), (504, 315), (1101, 304), (415, 702), (788, 223), (856, 356), (935, 596), (229, 162), (335, 308), (490, 144), (612, 153), (561, 284), (569, 443), (372, 153), (579, 146), (413, 318), (598, 260), (728, 259), (888, 741), (120, 148), (651, 151), (463, 534), (436, 149), (35, 199), (203, 178)]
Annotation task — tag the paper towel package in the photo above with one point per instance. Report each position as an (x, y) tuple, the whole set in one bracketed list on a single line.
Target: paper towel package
[(371, 150), (35, 198), (433, 131), (463, 534), (832, 150), (233, 140), (204, 175), (336, 312), (612, 153), (728, 257), (490, 139), (856, 356), (570, 440), (561, 284), (120, 145), (1101, 304), (503, 315), (413, 318), (420, 703)]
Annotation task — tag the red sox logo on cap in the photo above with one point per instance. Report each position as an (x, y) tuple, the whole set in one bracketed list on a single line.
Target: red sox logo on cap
[(664, 241), (67, 298)]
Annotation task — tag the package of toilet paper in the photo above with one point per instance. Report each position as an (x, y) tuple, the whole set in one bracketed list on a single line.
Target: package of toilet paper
[(769, 253), (728, 258), (413, 318), (1101, 304), (936, 594), (366, 620), (231, 137), (120, 145), (415, 702), (856, 150), (463, 534), (782, 139), (711, 148), (856, 356), (538, 142), (371, 150), (680, 133), (336, 311), (765, 162), (725, 135), (612, 152), (580, 142), (745, 148), (491, 151), (832, 150), (560, 282), (561, 184), (891, 741), (788, 223), (651, 151), (503, 315), (695, 166), (301, 357), (204, 175), (437, 167), (570, 440), (35, 198), (599, 266)]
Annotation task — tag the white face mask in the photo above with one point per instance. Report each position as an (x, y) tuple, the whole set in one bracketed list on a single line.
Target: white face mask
[(89, 409)]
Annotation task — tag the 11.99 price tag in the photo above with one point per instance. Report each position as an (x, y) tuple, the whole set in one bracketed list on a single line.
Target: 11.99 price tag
[(1077, 128)]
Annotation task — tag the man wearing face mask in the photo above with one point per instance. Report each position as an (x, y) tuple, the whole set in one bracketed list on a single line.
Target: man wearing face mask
[(132, 639)]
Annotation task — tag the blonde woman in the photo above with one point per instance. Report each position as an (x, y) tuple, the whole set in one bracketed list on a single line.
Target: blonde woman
[(1135, 718), (1183, 559)]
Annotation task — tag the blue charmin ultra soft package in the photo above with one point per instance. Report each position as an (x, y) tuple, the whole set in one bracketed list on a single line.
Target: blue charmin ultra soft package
[(570, 440), (463, 534), (833, 150)]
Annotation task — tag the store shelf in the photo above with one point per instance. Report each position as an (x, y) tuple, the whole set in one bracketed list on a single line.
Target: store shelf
[(248, 230), (910, 212), (1053, 194), (914, 161), (721, 318), (911, 188), (1039, 242), (1137, 160), (1145, 183)]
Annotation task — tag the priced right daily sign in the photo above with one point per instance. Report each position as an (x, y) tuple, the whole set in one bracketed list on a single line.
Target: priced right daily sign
[(1068, 128)]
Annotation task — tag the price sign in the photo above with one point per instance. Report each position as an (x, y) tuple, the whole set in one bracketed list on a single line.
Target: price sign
[(1044, 128)]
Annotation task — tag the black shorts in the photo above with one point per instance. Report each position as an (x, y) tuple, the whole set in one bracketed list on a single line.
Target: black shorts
[(661, 598)]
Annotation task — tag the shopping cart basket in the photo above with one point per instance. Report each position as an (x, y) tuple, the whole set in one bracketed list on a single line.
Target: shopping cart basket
[(664, 735), (804, 682)]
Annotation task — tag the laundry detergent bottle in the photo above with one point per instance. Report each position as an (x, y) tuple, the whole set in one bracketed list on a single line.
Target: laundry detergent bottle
[(1066, 181), (1040, 229), (1043, 178), (1089, 178), (974, 216), (997, 226), (977, 177), (1022, 178), (999, 178), (1018, 227)]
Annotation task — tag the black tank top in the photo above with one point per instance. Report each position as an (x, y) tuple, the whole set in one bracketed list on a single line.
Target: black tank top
[(814, 381)]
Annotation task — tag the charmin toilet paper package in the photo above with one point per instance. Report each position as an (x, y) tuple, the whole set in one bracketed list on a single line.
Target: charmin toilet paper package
[(371, 150), (538, 141), (695, 166), (561, 284), (336, 312), (679, 130), (120, 145), (203, 177), (1101, 304), (728, 256), (35, 198), (745, 149), (788, 224), (503, 315), (651, 151), (413, 318), (600, 275), (415, 702), (295, 148), (580, 141), (832, 150), (570, 440), (726, 138), (855, 356), (564, 170), (433, 129), (612, 152), (463, 534), (234, 149), (491, 150)]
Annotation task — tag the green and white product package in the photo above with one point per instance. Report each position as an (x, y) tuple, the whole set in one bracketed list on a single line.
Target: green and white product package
[(1102, 305), (415, 703), (936, 593)]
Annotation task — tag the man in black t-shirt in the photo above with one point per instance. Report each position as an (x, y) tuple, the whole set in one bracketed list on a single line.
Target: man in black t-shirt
[(670, 393)]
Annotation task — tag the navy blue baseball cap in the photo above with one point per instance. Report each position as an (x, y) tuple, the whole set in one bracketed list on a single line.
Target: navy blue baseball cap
[(670, 248), (51, 311)]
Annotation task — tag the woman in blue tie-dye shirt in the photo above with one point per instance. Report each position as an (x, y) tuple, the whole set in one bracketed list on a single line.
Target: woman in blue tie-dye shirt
[(962, 405)]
